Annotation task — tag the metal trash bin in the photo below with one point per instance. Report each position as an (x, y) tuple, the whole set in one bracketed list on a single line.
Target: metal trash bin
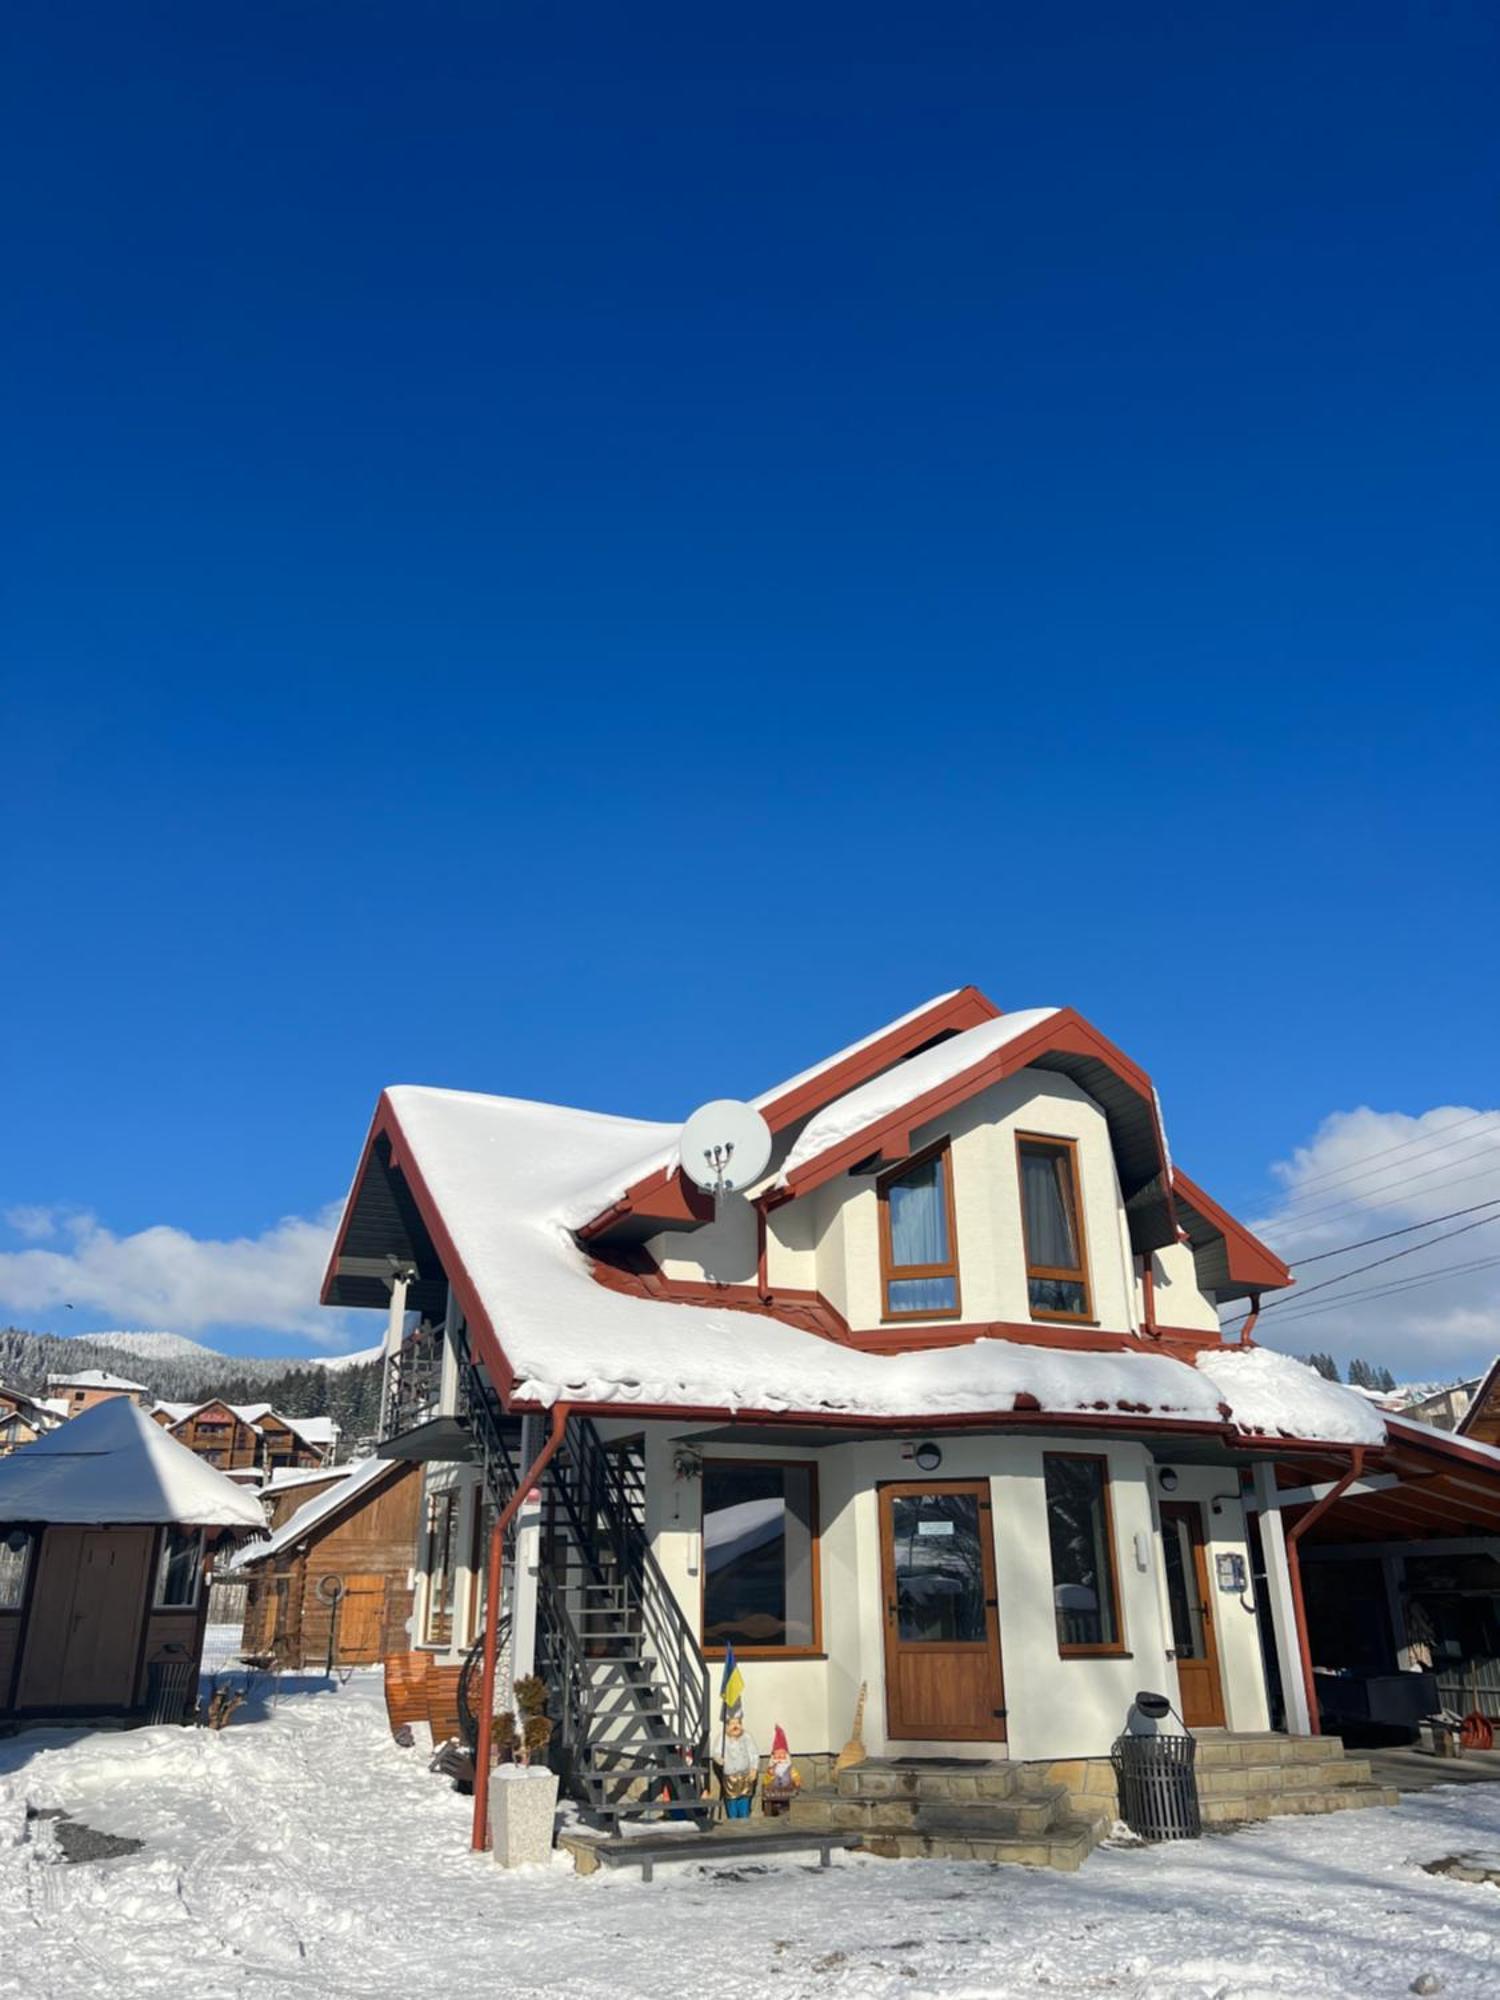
[(1157, 1778), (171, 1690)]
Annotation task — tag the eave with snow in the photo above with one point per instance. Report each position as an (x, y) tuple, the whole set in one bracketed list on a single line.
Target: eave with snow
[(1041, 1319)]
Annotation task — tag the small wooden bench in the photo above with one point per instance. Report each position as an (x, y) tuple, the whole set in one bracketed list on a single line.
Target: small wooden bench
[(724, 1846)]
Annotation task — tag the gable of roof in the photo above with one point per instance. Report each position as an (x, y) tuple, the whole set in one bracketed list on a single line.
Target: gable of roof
[(94, 1378), (359, 1485), (1484, 1404)]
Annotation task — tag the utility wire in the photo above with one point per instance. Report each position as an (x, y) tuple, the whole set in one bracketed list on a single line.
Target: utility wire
[(1421, 1142), (1391, 1290), (1375, 1263), (1398, 1188), (1301, 1263)]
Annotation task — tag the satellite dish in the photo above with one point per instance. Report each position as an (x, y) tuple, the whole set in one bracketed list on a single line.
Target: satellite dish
[(725, 1145)]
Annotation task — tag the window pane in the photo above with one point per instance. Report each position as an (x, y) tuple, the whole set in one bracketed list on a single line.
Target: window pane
[(1182, 1588), (1082, 1581), (442, 1567), (1056, 1295), (177, 1576), (1050, 1236), (919, 1216), (910, 1295), (939, 1566), (758, 1536), (14, 1549)]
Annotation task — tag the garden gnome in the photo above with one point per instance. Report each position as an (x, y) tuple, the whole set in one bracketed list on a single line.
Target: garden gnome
[(741, 1766), (783, 1779)]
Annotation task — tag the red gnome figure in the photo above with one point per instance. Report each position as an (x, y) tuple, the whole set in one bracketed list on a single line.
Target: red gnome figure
[(783, 1780)]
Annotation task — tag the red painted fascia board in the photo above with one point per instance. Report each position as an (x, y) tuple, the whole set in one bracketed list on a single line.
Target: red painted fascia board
[(664, 1194), (1066, 1031), (1406, 1431), (477, 1319), (1251, 1262), (1481, 1397)]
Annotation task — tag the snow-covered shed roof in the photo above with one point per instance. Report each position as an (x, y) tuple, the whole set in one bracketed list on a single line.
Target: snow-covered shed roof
[(319, 1432), (356, 1481), (114, 1465), (95, 1378), (497, 1181)]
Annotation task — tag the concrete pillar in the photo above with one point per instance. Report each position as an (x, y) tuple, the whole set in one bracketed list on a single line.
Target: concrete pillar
[(1279, 1593), (528, 1558)]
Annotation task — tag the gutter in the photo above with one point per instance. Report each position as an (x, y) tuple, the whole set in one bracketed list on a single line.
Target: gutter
[(1292, 1537), (480, 1839)]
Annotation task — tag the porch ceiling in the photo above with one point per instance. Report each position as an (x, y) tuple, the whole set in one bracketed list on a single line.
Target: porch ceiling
[(1443, 1491)]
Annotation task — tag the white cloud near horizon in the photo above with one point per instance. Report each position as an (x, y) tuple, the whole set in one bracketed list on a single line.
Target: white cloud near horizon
[(164, 1277), (1364, 1173)]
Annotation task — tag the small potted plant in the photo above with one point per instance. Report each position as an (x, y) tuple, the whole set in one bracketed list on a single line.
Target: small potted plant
[(523, 1793)]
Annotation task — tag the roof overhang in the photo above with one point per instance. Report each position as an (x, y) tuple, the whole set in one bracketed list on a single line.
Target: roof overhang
[(1232, 1262)]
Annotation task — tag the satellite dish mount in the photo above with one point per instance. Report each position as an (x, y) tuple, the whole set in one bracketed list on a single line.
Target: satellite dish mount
[(725, 1146)]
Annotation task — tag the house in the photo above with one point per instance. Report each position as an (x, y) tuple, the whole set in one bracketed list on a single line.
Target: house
[(1445, 1407), (106, 1525), (90, 1386), (333, 1584), (241, 1437), (1481, 1416), (25, 1418), (933, 1421)]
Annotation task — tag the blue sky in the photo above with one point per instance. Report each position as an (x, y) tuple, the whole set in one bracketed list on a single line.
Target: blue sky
[(599, 555)]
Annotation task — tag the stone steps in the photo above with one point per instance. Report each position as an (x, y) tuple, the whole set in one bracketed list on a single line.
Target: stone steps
[(1067, 1845), (1273, 1805), (995, 1812), (880, 1778), (1023, 1816)]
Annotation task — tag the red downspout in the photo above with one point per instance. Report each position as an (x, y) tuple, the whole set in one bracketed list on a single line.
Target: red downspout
[(1148, 1297), (762, 1256), (481, 1836), (1250, 1318), (1294, 1535)]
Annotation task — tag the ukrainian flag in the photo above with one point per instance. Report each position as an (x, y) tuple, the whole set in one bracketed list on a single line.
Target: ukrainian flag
[(732, 1687)]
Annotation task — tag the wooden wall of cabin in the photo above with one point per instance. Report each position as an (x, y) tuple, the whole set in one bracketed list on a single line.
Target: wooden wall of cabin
[(373, 1549)]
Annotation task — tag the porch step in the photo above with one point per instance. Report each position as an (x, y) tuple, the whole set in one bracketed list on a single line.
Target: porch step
[(1262, 1747), (880, 1778), (1236, 1810), (1067, 1846), (1019, 1817)]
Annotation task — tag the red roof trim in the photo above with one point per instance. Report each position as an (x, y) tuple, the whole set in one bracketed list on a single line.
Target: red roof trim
[(1251, 1262), (665, 1194), (1066, 1031), (1481, 1397)]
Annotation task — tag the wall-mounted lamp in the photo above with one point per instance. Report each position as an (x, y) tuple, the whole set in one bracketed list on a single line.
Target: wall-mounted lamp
[(1166, 1479), (927, 1457)]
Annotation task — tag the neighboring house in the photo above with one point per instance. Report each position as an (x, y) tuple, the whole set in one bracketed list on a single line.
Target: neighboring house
[(239, 1437), (105, 1528), (333, 1585), (938, 1408), (1481, 1417), (1445, 1408), (91, 1386), (25, 1418)]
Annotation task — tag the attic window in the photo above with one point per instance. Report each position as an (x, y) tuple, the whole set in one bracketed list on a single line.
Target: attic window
[(1057, 1279), (918, 1250), (178, 1571)]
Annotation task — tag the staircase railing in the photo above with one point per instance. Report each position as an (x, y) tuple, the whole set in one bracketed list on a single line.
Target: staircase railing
[(592, 1491)]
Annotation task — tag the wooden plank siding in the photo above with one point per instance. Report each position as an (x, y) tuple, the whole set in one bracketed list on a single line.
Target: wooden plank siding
[(371, 1547)]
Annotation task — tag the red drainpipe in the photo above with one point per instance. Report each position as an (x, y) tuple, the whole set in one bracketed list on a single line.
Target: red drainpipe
[(1251, 1317), (481, 1835), (1148, 1298), (1294, 1535)]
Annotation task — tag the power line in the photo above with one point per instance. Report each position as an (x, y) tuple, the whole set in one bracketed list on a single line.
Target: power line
[(1420, 1143), (1301, 1263), (1397, 1285), (1411, 1250), (1398, 1188)]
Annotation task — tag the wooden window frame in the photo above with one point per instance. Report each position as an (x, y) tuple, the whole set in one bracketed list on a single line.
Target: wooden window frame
[(1116, 1648), (894, 1273), (815, 1650), (1068, 1150)]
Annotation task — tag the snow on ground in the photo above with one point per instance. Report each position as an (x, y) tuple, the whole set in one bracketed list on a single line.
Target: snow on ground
[(300, 1855)]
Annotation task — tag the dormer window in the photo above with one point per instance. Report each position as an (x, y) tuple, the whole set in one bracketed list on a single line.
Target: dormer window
[(1057, 1278), (918, 1249)]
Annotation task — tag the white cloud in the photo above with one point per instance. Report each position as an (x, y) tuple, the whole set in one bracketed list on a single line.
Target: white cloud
[(164, 1277), (1364, 1173)]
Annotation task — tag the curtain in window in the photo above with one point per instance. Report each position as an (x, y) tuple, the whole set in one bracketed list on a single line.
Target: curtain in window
[(919, 1216), (1050, 1239)]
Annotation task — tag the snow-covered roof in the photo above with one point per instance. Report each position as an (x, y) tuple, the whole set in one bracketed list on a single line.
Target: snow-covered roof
[(886, 1094), (94, 1378), (318, 1432), (113, 1464), (302, 1475), (300, 1524), (504, 1175)]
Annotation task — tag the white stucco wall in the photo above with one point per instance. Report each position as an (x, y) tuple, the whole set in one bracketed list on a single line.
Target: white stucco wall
[(1057, 1707), (1241, 1671), (1179, 1301)]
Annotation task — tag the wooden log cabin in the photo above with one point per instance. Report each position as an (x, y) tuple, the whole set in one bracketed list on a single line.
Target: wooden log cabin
[(106, 1528), (243, 1437), (333, 1585)]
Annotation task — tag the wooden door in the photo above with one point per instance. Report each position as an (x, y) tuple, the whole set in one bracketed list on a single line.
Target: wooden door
[(942, 1629), (1194, 1636), (361, 1634), (83, 1636)]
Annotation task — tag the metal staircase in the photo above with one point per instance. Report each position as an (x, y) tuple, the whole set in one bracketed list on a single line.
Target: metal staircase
[(627, 1683)]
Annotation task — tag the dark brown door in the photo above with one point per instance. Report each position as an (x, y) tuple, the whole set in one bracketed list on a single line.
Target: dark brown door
[(942, 1631), (1194, 1638), (83, 1636)]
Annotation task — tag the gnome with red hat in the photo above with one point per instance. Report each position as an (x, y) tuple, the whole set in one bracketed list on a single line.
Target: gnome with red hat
[(783, 1779)]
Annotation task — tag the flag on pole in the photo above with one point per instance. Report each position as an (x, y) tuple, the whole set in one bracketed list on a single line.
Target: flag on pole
[(732, 1686)]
